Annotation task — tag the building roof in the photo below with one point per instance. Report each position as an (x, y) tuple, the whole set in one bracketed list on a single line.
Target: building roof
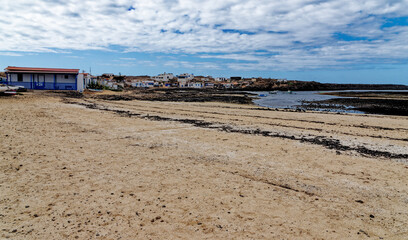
[(41, 70)]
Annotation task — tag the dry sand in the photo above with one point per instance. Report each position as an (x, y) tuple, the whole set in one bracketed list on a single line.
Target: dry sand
[(94, 169)]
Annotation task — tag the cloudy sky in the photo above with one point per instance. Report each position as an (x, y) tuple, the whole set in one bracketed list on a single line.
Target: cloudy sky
[(329, 41)]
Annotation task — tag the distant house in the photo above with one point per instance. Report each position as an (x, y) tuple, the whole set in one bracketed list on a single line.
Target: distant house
[(185, 76), (144, 84), (45, 78), (209, 85), (108, 75), (195, 84), (202, 78), (221, 79), (89, 79), (182, 83), (227, 85), (137, 84), (164, 77), (235, 78)]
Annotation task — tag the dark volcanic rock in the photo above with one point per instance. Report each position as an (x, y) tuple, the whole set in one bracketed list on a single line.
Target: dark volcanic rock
[(181, 95), (373, 106)]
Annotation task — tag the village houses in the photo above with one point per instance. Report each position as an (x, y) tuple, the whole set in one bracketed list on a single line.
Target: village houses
[(72, 79)]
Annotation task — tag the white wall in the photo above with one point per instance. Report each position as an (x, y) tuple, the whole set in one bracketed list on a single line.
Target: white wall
[(80, 82), (49, 78), (61, 78)]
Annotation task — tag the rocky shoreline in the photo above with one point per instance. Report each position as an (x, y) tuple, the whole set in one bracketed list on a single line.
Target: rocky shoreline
[(179, 95), (370, 102), (385, 103)]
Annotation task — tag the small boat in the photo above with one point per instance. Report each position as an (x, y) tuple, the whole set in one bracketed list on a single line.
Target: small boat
[(263, 95), (95, 90), (7, 90), (4, 88), (273, 92), (10, 92), (289, 91)]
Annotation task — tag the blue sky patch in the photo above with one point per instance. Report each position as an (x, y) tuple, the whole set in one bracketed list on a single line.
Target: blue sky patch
[(392, 22), (240, 32), (278, 32), (178, 32), (346, 37)]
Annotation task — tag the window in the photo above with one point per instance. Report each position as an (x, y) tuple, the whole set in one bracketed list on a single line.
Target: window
[(20, 77), (66, 76)]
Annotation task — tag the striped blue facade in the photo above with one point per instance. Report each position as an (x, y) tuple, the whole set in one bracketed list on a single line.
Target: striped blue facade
[(43, 84)]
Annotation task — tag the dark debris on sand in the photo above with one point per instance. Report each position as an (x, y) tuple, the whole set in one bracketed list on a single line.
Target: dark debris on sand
[(181, 95)]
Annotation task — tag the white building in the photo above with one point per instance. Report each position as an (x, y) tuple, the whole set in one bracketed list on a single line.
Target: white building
[(183, 83), (88, 79), (108, 74), (164, 77), (185, 76), (137, 84), (195, 85), (209, 85), (144, 84), (221, 79)]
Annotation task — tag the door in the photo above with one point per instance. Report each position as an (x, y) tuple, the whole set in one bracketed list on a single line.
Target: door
[(39, 81)]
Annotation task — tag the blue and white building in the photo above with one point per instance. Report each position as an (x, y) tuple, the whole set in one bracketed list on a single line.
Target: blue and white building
[(45, 78), (185, 76)]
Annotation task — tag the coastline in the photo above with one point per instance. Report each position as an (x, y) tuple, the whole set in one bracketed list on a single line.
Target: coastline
[(392, 102), (361, 102), (372, 102), (90, 167)]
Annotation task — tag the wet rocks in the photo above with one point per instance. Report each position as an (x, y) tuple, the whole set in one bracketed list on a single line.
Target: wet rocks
[(386, 103), (181, 95)]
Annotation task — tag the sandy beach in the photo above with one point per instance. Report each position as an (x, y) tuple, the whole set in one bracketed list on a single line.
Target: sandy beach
[(88, 168)]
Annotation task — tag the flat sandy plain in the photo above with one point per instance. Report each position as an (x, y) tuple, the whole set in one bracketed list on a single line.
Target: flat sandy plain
[(82, 168)]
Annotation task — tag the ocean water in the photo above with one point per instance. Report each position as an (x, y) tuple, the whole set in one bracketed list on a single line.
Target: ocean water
[(285, 100)]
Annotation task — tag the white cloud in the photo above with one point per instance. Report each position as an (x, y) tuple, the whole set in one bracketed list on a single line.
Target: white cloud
[(11, 54), (147, 63), (77, 57), (299, 33), (193, 65), (128, 59)]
